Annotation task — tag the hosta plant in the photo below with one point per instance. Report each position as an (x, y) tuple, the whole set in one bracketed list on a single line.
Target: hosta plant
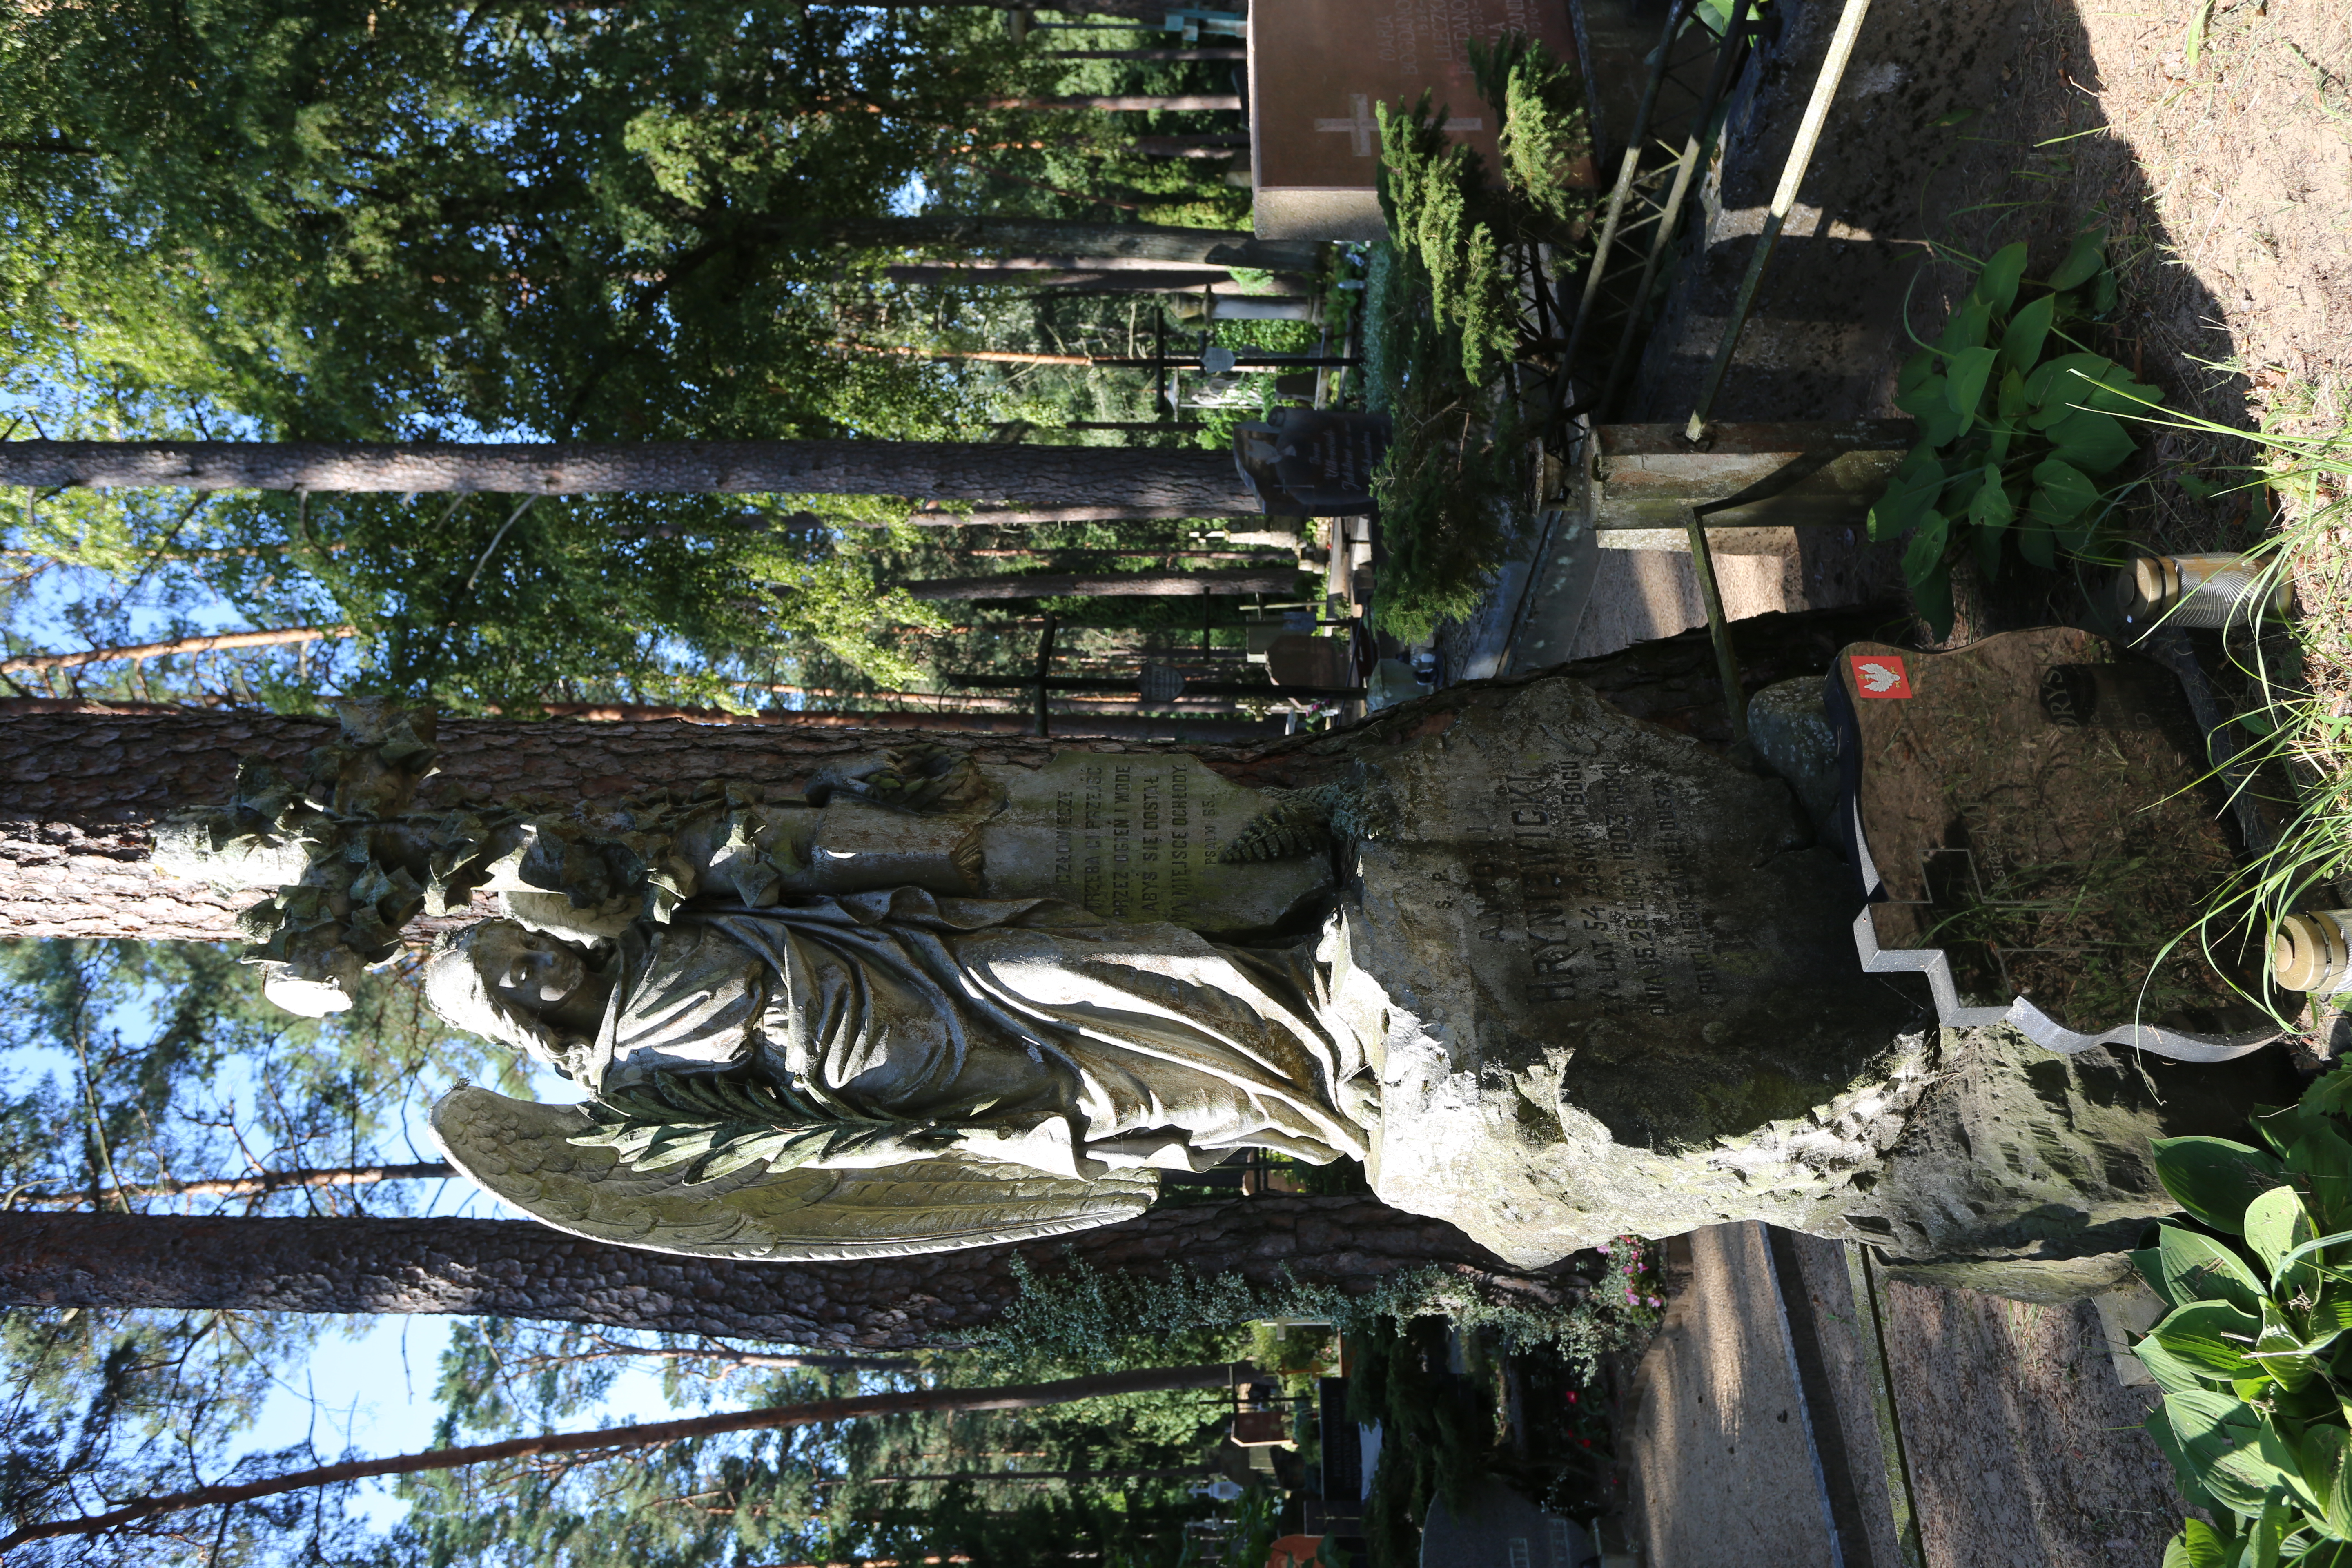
[(2019, 440), (2253, 1358)]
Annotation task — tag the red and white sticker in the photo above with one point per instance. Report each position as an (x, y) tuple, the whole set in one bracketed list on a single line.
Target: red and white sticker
[(1880, 675)]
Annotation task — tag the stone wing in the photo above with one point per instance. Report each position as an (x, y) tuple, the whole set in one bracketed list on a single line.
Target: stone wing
[(520, 1150)]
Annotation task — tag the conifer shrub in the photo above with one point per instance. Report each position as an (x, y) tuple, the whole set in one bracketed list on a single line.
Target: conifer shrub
[(1445, 323)]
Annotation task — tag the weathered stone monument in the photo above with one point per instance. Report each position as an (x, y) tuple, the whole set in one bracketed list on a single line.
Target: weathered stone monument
[(1554, 973), (1317, 68)]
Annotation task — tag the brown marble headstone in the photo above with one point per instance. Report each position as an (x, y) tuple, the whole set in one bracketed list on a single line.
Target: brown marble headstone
[(1317, 68)]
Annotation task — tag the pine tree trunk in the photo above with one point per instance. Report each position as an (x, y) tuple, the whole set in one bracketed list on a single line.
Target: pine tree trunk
[(519, 1269), (1277, 580), (1076, 239), (1194, 481), (81, 786), (80, 792), (645, 1435)]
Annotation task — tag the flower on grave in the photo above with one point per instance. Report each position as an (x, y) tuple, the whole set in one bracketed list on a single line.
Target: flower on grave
[(1632, 1299), (1655, 1302)]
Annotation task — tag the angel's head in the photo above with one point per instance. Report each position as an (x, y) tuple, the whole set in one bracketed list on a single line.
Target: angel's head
[(544, 996)]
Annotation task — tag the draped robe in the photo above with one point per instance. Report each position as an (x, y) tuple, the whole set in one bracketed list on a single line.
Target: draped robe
[(1036, 1031)]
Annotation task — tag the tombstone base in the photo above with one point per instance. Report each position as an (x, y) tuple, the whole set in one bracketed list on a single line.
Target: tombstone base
[(1614, 993)]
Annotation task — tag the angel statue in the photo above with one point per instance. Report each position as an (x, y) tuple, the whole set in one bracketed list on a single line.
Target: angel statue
[(889, 1071), (840, 1023)]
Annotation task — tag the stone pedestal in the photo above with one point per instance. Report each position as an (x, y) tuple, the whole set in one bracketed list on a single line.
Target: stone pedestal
[(1613, 982)]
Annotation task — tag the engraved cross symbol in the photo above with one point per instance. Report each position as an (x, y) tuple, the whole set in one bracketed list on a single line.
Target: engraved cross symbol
[(1360, 127)]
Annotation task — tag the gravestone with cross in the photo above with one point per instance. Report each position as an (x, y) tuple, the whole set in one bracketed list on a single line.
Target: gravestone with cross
[(1316, 69)]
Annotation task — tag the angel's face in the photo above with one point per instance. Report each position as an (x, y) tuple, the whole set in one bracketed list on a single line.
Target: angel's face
[(541, 976)]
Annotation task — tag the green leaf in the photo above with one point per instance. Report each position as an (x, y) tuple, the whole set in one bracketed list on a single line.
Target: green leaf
[(2021, 345), (1930, 582), (2275, 1223), (2185, 1472), (1968, 328), (2324, 1160), (2094, 443), (2200, 1545), (2314, 1248), (2171, 1372), (1930, 404), (2063, 497), (2335, 1498), (2197, 1268), (2282, 1353), (2088, 255), (2109, 391), (2330, 1094), (1997, 284), (2049, 386), (2008, 402), (2222, 1437), (1912, 489), (1964, 389), (2211, 1338), (2034, 540), (1990, 512), (1915, 368), (2213, 1178)]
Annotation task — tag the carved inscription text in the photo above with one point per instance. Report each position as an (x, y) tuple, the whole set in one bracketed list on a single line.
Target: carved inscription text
[(1586, 866)]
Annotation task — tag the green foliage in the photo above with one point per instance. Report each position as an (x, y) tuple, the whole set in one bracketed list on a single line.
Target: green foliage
[(2018, 427), (347, 220), (1547, 136), (128, 1064), (1433, 193), (1451, 476), (2251, 1355), (1444, 320)]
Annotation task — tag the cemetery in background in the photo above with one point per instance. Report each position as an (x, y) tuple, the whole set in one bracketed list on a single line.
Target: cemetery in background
[(1003, 293)]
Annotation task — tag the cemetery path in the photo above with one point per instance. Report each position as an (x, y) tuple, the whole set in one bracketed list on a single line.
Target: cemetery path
[(2024, 1447)]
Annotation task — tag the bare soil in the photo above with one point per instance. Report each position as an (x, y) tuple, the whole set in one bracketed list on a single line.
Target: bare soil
[(2226, 185)]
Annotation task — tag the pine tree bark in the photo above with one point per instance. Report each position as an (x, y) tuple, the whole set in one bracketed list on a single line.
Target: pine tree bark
[(1195, 482), (81, 791), (647, 1435), (1281, 580), (1076, 239), (519, 1269)]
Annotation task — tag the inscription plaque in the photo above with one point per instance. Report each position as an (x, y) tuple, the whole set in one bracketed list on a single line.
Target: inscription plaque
[(1135, 835)]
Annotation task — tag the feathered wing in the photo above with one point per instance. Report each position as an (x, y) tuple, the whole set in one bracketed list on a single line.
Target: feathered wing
[(521, 1151)]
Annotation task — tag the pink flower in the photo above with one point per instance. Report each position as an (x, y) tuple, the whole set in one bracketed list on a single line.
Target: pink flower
[(1655, 1302), (1571, 1396), (1633, 1299)]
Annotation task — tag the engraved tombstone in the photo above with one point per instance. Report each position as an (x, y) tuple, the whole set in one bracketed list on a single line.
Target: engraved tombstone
[(1591, 947), (1137, 836), (1317, 66)]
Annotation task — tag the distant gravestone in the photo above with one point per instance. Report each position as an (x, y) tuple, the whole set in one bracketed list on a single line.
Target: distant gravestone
[(1317, 68), (1312, 462), (2042, 837)]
